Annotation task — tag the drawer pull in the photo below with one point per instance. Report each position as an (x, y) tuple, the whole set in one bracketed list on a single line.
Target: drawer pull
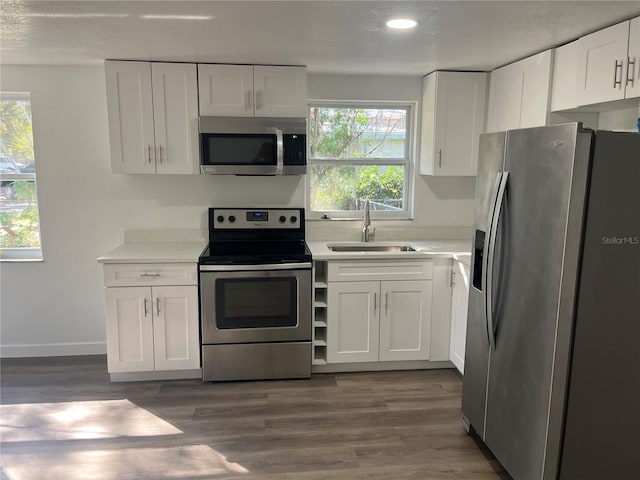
[(150, 275)]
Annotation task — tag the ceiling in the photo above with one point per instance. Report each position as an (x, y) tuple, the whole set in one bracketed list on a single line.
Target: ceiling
[(327, 36)]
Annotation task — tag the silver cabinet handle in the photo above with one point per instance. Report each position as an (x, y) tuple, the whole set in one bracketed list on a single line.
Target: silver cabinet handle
[(158, 305), (453, 278), (439, 158), (149, 152), (258, 100), (150, 275), (631, 64), (160, 148), (248, 100), (386, 303), (146, 310), (616, 82), (375, 302)]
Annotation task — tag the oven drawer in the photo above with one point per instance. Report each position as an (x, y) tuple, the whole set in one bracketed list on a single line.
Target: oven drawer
[(350, 271), (125, 275), (257, 361)]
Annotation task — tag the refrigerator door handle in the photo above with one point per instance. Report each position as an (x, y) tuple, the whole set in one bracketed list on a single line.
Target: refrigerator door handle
[(485, 255), (491, 257)]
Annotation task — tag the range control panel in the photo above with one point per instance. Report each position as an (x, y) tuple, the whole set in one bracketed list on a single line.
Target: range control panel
[(264, 218)]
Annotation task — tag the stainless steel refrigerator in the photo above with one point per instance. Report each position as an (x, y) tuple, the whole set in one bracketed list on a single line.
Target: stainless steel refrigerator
[(552, 364)]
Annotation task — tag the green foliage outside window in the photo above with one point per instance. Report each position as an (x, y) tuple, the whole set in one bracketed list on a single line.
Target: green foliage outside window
[(19, 223), (341, 140)]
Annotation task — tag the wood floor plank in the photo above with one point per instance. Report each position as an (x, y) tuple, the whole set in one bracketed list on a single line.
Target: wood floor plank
[(403, 425)]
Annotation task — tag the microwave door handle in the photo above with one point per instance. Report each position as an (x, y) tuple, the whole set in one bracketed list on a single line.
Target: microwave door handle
[(279, 151)]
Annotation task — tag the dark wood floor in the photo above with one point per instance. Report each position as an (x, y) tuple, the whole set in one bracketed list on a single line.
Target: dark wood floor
[(61, 418)]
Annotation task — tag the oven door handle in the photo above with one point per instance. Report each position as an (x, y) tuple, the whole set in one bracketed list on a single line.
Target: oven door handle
[(255, 268)]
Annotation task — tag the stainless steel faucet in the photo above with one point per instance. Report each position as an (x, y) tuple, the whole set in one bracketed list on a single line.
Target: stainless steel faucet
[(366, 223)]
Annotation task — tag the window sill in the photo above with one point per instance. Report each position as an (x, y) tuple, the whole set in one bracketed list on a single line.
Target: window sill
[(21, 255)]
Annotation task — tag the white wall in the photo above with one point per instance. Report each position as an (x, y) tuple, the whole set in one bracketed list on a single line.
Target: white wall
[(55, 307)]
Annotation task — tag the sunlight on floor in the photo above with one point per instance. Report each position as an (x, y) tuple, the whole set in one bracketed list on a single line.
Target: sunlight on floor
[(175, 462), (79, 420), (63, 428)]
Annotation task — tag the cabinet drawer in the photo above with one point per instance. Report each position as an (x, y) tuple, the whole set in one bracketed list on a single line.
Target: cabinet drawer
[(122, 275), (380, 270)]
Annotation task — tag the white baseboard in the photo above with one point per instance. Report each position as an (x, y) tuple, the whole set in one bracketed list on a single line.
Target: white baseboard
[(53, 349)]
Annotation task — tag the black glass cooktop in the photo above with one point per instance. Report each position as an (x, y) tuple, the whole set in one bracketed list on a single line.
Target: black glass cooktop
[(258, 252)]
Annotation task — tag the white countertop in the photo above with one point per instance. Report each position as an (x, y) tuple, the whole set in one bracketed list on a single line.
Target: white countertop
[(424, 249), (188, 252), (155, 252)]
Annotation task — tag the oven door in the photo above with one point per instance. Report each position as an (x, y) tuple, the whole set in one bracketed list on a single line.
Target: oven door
[(255, 303)]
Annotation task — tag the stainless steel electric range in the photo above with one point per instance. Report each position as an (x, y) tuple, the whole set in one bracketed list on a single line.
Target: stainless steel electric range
[(255, 295)]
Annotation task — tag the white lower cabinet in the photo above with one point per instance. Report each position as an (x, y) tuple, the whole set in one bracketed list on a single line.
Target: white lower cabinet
[(370, 320), (151, 328), (353, 328), (405, 320), (459, 302)]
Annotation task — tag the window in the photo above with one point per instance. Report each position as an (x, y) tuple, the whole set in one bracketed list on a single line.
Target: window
[(19, 222), (358, 152)]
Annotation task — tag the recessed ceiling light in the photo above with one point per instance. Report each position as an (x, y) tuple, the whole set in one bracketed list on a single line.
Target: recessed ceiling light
[(401, 23), (176, 17)]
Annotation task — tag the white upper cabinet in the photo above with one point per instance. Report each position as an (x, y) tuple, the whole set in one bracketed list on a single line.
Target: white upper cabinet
[(608, 64), (633, 60), (130, 109), (565, 74), (175, 115), (453, 112), (248, 91), (519, 94), (226, 90), (153, 117)]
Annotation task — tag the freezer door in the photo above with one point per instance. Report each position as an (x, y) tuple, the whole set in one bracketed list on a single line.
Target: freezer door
[(490, 164), (537, 243), (602, 423)]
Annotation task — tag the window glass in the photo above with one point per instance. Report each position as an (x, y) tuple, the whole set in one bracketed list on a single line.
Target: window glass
[(359, 152), (19, 221)]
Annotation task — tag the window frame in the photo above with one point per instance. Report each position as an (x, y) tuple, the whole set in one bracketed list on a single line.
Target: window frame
[(22, 254), (407, 162)]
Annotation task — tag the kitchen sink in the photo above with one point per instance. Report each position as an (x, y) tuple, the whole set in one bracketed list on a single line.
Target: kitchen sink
[(370, 248)]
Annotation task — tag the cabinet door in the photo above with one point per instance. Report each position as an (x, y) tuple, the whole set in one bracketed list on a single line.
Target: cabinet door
[(226, 90), (175, 328), (565, 76), (280, 91), (175, 114), (405, 320), (459, 303), (130, 109), (505, 95), (603, 55), (353, 322), (632, 69), (519, 94), (453, 112), (536, 88), (129, 329)]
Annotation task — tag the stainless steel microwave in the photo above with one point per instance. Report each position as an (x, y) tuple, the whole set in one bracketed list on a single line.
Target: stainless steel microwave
[(253, 146)]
